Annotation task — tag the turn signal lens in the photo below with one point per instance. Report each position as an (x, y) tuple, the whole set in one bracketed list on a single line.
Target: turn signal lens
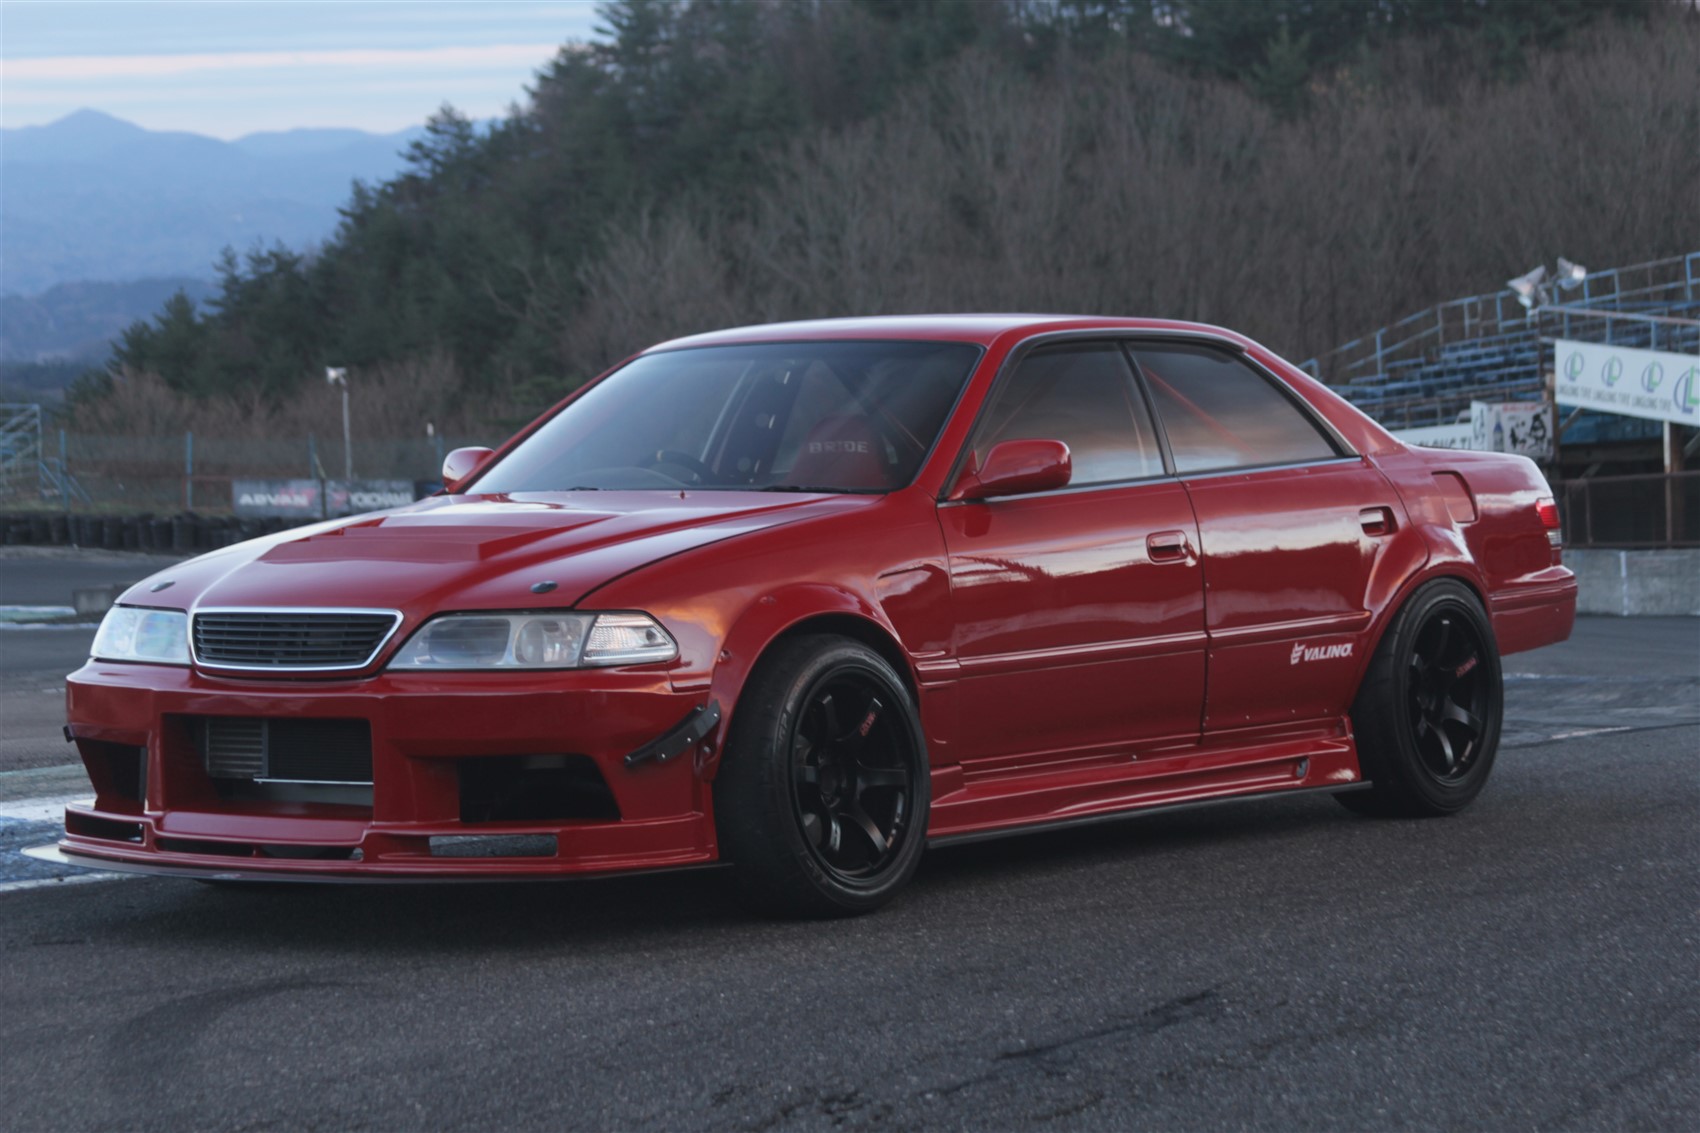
[(1548, 511), (627, 639)]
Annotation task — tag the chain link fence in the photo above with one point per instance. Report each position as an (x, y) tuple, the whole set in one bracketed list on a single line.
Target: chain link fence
[(82, 473), (177, 492), (1655, 510)]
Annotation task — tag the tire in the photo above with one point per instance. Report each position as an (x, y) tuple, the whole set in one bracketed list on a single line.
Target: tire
[(1427, 716), (822, 796)]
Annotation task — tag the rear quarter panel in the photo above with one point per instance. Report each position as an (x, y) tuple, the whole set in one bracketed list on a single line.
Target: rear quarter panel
[(1497, 542)]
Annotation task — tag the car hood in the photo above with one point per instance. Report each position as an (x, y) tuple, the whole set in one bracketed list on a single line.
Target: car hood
[(472, 552)]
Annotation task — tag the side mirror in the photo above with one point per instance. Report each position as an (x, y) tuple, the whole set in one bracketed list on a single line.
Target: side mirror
[(461, 463), (1016, 467)]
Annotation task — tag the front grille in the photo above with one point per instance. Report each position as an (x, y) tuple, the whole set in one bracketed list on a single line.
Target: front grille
[(285, 750), (288, 640)]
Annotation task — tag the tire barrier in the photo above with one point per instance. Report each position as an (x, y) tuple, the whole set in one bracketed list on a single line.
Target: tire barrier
[(184, 534)]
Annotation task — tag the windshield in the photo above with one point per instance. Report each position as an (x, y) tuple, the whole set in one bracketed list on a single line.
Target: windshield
[(806, 416)]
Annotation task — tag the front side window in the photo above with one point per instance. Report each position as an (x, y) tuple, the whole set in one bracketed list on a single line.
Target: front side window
[(814, 416), (1083, 395), (1220, 413)]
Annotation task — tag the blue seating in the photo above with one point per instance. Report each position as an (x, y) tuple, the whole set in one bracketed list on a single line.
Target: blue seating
[(1424, 382)]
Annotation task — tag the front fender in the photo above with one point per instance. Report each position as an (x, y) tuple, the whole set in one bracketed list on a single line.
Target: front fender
[(768, 619)]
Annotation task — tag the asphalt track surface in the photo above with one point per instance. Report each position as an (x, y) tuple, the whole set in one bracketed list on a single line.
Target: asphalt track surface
[(1531, 963)]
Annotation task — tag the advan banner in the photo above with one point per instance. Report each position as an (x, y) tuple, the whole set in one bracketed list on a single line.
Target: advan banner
[(1651, 384), (300, 499)]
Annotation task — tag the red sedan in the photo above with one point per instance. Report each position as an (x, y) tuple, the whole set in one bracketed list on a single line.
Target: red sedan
[(808, 597)]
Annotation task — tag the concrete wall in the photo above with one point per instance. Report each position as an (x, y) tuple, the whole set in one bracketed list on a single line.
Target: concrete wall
[(1632, 583)]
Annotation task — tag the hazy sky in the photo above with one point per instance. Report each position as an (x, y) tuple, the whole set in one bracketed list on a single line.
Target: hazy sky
[(229, 67)]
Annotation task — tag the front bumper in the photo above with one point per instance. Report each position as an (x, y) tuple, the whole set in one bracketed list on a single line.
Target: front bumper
[(157, 808)]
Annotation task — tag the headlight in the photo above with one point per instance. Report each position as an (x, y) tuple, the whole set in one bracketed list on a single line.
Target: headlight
[(536, 641), (131, 633)]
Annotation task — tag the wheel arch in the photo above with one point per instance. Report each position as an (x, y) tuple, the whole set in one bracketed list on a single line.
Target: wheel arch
[(1436, 572), (865, 630), (784, 617)]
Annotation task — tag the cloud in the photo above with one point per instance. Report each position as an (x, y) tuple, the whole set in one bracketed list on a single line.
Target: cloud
[(81, 68)]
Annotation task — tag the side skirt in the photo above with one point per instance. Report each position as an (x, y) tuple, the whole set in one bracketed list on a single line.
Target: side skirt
[(1045, 826)]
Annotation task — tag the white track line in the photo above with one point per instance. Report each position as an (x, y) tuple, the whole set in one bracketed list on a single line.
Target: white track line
[(70, 879), (45, 808), (1592, 732)]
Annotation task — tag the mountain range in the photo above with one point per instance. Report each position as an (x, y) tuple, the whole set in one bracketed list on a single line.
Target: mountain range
[(94, 198)]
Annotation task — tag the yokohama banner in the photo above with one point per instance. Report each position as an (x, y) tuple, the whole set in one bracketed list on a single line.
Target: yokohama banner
[(1651, 384)]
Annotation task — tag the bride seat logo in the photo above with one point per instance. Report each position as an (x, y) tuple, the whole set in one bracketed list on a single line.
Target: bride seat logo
[(1303, 652)]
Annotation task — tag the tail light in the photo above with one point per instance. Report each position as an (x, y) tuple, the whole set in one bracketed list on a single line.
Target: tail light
[(1547, 509)]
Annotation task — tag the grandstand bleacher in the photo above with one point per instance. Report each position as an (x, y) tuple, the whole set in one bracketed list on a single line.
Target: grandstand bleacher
[(1425, 369)]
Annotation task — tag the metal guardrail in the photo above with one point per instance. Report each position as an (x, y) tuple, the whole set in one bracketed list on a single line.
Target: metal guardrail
[(159, 475), (20, 443), (1655, 510), (1498, 314)]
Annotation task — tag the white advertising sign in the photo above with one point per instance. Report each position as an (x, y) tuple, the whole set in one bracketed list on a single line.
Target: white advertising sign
[(1438, 436), (1651, 384), (1522, 427)]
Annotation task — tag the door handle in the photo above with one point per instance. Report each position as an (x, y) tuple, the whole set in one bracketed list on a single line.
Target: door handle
[(1168, 547), (1376, 521)]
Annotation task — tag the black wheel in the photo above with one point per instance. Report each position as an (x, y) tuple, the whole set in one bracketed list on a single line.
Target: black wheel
[(821, 800), (1428, 715)]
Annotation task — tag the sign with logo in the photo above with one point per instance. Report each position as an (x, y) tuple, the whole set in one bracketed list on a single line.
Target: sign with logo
[(1651, 384), (1438, 436), (1522, 427), (294, 499), (301, 499), (346, 498)]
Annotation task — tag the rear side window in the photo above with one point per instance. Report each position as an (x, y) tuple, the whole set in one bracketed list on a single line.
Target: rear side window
[(1220, 413), (1083, 395)]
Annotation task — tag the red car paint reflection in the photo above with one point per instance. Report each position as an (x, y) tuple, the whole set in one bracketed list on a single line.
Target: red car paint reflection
[(1184, 611)]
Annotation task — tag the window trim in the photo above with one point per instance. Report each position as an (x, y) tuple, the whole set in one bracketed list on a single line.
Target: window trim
[(1324, 427), (1018, 353), (1127, 340), (1006, 376)]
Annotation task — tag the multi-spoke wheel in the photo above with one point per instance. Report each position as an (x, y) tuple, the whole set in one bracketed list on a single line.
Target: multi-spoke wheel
[(852, 775), (1428, 714), (821, 800), (1448, 695)]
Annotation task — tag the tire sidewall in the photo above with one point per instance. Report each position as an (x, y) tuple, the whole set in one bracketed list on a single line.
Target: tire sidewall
[(1396, 736), (789, 678)]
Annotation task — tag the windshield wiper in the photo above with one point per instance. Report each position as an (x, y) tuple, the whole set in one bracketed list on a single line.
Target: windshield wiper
[(813, 488)]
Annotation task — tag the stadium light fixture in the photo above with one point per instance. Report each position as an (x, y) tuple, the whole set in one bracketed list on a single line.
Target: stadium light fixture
[(1531, 287), (1570, 275)]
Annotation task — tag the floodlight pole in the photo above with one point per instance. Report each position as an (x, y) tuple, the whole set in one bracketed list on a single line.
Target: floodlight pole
[(338, 376)]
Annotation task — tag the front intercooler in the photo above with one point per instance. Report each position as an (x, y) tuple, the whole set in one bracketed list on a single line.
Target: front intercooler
[(285, 750)]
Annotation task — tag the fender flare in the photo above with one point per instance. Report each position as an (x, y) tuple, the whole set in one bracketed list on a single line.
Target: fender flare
[(770, 618), (1458, 570)]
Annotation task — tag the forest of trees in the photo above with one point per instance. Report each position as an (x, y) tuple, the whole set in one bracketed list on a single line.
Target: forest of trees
[(1302, 170)]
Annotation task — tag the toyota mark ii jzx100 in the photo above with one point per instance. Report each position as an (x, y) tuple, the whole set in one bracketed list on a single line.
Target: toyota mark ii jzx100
[(807, 598)]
